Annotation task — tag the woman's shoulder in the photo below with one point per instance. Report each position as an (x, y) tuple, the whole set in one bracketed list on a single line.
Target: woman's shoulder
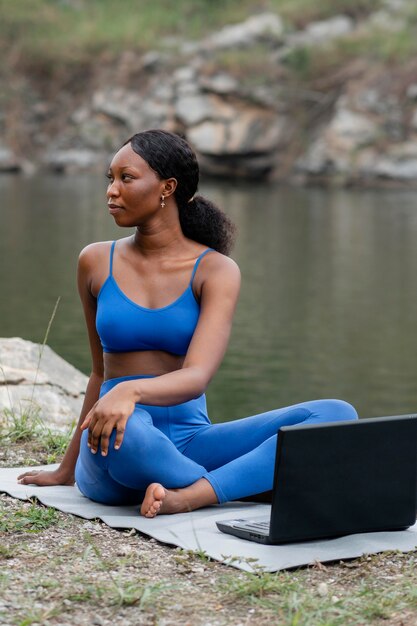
[(218, 261), (94, 253), (215, 265), (96, 247)]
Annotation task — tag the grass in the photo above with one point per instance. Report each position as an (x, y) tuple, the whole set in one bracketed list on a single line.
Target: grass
[(47, 34), (27, 426), (30, 518), (123, 592), (294, 603)]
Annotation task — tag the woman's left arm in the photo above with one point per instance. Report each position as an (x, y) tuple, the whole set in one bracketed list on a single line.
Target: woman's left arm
[(220, 284)]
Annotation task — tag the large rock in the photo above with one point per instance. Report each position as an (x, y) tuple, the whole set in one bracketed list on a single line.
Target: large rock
[(335, 148), (248, 132), (245, 144), (48, 386)]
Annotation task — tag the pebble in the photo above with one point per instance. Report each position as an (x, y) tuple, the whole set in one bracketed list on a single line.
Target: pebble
[(322, 589)]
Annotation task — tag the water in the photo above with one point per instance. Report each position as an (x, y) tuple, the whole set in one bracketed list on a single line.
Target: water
[(329, 297)]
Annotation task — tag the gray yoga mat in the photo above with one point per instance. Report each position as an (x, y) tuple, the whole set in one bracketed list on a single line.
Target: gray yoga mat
[(197, 530)]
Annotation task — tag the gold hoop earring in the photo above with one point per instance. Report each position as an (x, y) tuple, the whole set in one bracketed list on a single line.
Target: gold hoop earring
[(162, 201)]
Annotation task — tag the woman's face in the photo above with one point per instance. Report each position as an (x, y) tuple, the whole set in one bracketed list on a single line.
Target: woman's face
[(134, 190)]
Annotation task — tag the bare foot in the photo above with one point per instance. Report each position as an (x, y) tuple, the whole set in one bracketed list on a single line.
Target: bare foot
[(164, 501), (152, 502)]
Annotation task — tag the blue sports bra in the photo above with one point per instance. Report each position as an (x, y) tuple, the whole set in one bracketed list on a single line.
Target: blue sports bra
[(124, 326)]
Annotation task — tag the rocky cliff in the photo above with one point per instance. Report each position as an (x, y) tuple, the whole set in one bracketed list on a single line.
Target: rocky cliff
[(255, 99)]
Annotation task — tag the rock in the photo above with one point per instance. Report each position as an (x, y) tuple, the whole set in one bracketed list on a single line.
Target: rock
[(413, 122), (351, 129), (316, 159), (71, 159), (244, 145), (99, 133), (263, 27), (120, 104), (334, 149), (322, 589), (372, 101), (195, 108), (152, 60), (412, 91), (404, 169), (185, 74), (248, 132), (55, 389), (399, 162), (384, 20), (398, 5), (134, 110), (336, 26), (321, 32), (221, 83), (9, 162)]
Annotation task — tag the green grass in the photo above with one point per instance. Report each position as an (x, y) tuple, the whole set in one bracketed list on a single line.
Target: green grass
[(46, 32), (27, 426), (295, 602), (29, 518), (64, 43)]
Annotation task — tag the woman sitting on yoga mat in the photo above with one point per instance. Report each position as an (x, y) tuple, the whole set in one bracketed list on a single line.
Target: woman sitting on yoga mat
[(159, 306)]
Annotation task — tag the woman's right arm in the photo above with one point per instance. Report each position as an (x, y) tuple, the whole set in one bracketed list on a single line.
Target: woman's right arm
[(64, 474)]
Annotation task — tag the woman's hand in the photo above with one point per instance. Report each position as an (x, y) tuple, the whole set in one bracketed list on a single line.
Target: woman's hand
[(110, 412), (45, 479)]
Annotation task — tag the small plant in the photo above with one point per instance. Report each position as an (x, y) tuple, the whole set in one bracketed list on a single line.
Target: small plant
[(29, 518), (19, 427)]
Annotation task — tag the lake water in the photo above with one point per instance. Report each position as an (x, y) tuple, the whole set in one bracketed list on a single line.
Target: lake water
[(329, 296)]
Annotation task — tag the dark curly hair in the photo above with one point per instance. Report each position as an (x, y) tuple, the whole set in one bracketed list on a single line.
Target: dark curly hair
[(170, 156)]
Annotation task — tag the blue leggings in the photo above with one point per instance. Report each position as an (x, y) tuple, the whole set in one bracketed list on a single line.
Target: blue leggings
[(177, 445)]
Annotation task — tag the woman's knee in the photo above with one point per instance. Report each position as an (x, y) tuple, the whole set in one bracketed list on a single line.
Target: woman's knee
[(340, 410), (330, 411)]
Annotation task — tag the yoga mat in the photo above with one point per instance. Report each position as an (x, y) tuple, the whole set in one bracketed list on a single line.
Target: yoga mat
[(197, 530)]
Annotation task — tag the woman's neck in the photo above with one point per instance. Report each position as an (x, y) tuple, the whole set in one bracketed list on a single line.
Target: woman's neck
[(158, 241)]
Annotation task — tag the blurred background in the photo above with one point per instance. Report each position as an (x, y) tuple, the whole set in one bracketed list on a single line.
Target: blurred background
[(303, 114)]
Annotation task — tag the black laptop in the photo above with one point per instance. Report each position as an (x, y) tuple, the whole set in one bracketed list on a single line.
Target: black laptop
[(339, 478)]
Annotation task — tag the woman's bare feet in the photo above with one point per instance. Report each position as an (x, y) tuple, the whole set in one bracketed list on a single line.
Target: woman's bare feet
[(159, 500)]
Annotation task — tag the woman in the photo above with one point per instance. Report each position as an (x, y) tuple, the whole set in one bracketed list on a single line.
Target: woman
[(159, 308)]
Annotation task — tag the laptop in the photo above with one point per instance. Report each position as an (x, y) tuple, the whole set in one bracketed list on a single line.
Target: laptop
[(339, 478)]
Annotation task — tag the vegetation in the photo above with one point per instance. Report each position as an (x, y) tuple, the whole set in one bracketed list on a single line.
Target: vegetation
[(49, 35), (28, 427), (27, 518), (19, 425)]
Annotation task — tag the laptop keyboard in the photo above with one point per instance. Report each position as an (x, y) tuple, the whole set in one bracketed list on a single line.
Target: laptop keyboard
[(257, 525)]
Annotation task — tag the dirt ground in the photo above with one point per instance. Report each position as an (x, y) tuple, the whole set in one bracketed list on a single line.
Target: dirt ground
[(60, 569)]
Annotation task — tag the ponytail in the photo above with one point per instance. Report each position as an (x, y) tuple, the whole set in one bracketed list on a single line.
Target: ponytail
[(203, 221)]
